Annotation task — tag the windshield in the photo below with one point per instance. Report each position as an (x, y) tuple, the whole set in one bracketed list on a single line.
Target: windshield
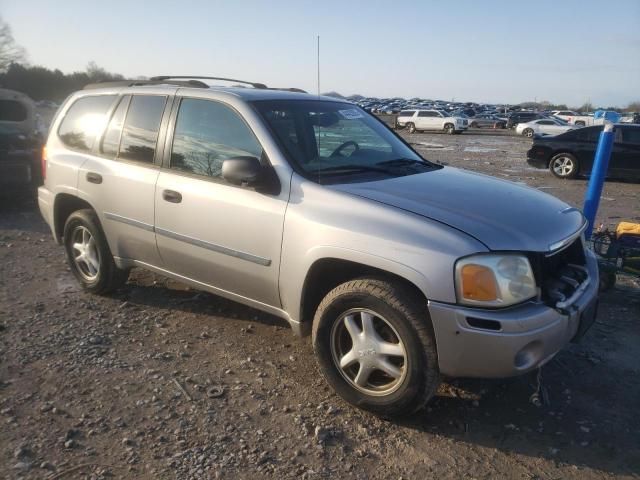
[(338, 142)]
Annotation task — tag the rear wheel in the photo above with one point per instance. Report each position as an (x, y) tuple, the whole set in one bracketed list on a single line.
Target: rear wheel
[(449, 128), (527, 132), (473, 125), (374, 345), (88, 253), (580, 123), (564, 165), (411, 128)]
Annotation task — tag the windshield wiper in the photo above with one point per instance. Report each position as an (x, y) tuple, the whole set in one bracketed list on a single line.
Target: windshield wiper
[(404, 161), (351, 168)]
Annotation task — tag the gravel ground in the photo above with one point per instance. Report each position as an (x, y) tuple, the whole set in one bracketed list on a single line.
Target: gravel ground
[(161, 381)]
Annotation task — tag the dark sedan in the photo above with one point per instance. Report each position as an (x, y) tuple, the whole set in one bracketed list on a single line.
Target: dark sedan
[(571, 154)]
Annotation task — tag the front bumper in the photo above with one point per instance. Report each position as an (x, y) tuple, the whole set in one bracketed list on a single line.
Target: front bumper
[(529, 335), (537, 162)]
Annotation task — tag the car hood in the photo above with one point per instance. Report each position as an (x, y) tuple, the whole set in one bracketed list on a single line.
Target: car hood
[(500, 214)]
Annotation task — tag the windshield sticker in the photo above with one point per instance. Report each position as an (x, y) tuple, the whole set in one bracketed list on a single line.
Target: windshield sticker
[(350, 114)]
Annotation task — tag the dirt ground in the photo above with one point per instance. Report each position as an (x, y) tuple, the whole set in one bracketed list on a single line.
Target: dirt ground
[(161, 381)]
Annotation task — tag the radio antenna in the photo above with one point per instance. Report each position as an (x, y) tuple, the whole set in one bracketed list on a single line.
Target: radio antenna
[(318, 65)]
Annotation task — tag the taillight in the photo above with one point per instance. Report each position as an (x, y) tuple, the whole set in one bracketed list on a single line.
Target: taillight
[(43, 163)]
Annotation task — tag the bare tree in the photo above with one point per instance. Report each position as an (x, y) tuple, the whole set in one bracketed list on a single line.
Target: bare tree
[(10, 52)]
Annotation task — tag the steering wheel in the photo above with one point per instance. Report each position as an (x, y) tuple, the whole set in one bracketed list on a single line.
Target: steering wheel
[(337, 151)]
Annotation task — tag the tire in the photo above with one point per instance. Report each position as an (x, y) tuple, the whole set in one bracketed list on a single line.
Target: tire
[(398, 318), (96, 271), (580, 123), (528, 132), (411, 128), (473, 125), (564, 165), (449, 128)]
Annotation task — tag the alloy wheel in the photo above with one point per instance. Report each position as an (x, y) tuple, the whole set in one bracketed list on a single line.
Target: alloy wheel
[(563, 166), (368, 352), (85, 253)]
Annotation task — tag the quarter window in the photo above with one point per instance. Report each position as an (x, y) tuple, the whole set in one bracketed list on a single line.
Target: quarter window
[(206, 134), (140, 132), (84, 120)]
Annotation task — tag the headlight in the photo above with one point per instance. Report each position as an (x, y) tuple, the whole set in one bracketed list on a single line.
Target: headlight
[(494, 280)]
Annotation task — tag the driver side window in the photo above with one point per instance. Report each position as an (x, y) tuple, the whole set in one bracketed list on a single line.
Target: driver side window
[(206, 134)]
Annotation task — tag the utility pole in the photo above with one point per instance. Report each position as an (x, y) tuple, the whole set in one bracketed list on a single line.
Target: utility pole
[(318, 65)]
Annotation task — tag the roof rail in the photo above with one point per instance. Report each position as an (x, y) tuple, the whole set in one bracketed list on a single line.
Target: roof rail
[(153, 81), (198, 77)]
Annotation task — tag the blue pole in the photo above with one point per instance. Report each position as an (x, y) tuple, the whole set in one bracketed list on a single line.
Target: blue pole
[(598, 174)]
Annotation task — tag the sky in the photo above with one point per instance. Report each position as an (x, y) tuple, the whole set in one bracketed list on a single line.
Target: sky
[(563, 51)]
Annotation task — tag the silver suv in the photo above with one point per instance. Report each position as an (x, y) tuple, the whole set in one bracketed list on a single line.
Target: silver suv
[(311, 209)]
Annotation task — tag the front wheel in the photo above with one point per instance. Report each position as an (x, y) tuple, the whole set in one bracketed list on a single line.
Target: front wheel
[(374, 344), (527, 132), (411, 128), (564, 165), (88, 253)]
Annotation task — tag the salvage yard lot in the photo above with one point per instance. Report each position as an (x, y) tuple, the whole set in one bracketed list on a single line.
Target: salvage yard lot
[(162, 381)]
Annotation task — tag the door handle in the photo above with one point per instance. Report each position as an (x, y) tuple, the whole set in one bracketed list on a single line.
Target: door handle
[(93, 177), (172, 196)]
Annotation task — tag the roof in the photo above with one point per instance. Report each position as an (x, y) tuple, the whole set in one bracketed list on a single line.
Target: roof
[(257, 91)]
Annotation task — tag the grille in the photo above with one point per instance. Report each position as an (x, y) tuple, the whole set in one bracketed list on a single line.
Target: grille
[(560, 275)]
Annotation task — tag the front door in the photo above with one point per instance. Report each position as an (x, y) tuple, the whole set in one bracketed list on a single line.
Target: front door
[(208, 230)]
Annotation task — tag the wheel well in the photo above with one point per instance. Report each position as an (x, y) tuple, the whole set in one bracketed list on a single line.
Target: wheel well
[(326, 274), (64, 206)]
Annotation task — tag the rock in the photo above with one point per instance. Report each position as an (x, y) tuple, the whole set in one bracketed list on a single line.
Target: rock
[(22, 466), (70, 444), (321, 434)]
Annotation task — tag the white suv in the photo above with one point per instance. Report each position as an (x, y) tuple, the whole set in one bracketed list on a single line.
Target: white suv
[(414, 120)]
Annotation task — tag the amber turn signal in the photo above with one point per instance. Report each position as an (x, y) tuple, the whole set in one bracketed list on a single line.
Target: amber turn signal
[(478, 283)]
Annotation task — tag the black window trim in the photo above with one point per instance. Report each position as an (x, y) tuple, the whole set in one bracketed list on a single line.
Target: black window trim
[(99, 135), (165, 164)]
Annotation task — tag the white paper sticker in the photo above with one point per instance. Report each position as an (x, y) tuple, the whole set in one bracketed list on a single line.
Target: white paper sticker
[(351, 114)]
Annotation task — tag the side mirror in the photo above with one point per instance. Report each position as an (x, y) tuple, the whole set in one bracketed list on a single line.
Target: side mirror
[(242, 171)]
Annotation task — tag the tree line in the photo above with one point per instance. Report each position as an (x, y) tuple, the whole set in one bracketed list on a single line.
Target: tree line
[(40, 83)]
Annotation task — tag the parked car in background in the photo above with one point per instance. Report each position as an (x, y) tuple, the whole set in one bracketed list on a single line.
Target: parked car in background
[(20, 142), (564, 114), (513, 119), (420, 120), (484, 120), (544, 126), (571, 154)]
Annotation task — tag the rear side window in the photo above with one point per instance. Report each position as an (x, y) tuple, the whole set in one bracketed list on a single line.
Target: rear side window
[(631, 135), (589, 134), (206, 134), (140, 132), (111, 139), (407, 113), (12, 111), (84, 120)]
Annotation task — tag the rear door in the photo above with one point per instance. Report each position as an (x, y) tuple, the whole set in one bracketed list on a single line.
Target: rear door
[(208, 230), (121, 176)]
